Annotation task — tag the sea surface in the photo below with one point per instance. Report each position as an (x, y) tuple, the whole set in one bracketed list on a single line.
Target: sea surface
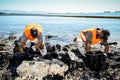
[(65, 29)]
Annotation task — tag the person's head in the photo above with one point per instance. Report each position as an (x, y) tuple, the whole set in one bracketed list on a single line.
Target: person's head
[(103, 34), (34, 32), (106, 34)]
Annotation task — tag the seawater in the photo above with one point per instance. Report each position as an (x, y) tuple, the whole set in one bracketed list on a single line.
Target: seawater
[(65, 28)]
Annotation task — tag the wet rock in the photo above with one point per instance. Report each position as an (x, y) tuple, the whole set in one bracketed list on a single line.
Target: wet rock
[(76, 52), (53, 77), (72, 65), (118, 59), (4, 61), (49, 47), (41, 69), (50, 36), (65, 48), (5, 75), (63, 63), (51, 56), (58, 46), (12, 37), (17, 47), (2, 45), (5, 46)]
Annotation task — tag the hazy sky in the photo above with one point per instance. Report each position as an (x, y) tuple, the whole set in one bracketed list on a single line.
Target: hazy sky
[(61, 5)]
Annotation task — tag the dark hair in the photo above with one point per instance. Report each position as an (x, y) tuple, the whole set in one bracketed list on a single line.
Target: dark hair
[(106, 34), (34, 32)]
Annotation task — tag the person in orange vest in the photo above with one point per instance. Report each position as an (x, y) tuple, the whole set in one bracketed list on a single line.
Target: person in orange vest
[(90, 37), (32, 33)]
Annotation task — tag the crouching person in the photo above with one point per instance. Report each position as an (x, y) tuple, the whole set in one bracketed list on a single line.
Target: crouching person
[(32, 33), (90, 37)]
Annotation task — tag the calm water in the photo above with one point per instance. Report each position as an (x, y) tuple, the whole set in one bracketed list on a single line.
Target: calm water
[(65, 28)]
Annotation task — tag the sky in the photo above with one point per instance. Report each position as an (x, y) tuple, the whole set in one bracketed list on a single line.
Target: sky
[(61, 5)]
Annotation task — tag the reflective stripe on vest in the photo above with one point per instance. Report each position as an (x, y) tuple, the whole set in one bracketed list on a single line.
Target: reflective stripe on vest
[(27, 31), (94, 32)]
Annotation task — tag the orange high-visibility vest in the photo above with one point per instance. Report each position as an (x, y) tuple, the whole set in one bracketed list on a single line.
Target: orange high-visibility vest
[(94, 37), (27, 30)]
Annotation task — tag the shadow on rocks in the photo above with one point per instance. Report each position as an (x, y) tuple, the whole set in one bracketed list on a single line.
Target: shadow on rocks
[(54, 77)]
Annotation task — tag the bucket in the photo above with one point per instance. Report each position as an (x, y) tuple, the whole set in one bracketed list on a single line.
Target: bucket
[(94, 60)]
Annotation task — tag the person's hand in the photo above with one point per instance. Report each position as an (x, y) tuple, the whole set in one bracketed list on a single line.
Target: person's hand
[(33, 48)]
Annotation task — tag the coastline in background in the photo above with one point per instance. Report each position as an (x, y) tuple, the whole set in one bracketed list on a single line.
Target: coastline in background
[(105, 14)]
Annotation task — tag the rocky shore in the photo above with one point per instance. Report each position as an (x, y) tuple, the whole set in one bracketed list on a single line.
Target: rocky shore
[(61, 63)]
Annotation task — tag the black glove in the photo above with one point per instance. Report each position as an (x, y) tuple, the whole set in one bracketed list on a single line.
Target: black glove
[(75, 39), (33, 48), (104, 56), (26, 49)]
